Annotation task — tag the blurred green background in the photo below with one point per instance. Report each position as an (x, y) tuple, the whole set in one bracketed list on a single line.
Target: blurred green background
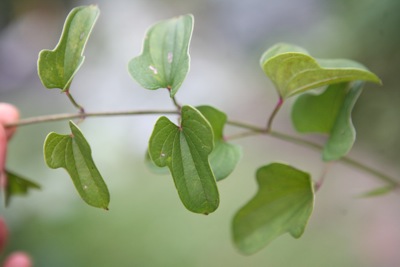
[(147, 225)]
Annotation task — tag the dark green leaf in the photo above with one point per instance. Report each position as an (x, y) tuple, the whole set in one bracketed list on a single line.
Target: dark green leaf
[(283, 203), (72, 152), (58, 67), (164, 61), (293, 71), (185, 149), (17, 185), (225, 156)]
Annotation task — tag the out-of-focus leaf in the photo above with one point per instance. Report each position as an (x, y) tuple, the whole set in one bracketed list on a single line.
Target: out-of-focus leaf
[(72, 152), (225, 156), (329, 112), (343, 134), (57, 68), (17, 185), (293, 71), (283, 203), (185, 150), (165, 59), (379, 191), (313, 113)]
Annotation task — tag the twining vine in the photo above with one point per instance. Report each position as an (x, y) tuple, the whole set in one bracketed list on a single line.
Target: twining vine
[(196, 152)]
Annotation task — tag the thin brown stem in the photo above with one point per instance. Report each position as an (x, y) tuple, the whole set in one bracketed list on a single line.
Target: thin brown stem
[(305, 143), (252, 130), (67, 116)]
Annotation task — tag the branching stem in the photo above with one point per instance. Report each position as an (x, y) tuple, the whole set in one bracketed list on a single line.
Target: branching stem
[(252, 130)]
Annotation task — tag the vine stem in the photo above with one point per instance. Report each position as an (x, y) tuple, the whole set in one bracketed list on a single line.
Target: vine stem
[(273, 114), (67, 116), (255, 130), (73, 101), (252, 130)]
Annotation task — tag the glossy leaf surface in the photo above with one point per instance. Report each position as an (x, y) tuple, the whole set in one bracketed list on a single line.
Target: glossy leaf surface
[(283, 203), (293, 71), (185, 150), (17, 185), (225, 156), (164, 61), (72, 152), (57, 68)]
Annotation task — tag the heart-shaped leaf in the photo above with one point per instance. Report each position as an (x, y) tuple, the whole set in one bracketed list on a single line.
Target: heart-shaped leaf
[(17, 185), (293, 71), (329, 112), (185, 149), (57, 68), (164, 61), (283, 203), (72, 152), (225, 156)]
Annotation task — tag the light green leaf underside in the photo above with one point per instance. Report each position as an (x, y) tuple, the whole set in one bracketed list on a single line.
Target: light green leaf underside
[(57, 68), (73, 153), (165, 59), (185, 151), (17, 185), (283, 203), (293, 71), (225, 156)]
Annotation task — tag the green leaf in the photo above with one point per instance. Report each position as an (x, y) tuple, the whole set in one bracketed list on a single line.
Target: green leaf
[(185, 149), (313, 113), (380, 191), (164, 61), (283, 203), (57, 68), (343, 133), (72, 152), (17, 185), (225, 156), (293, 71), (329, 112)]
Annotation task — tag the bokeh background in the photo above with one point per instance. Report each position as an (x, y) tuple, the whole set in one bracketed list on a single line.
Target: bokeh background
[(147, 225)]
